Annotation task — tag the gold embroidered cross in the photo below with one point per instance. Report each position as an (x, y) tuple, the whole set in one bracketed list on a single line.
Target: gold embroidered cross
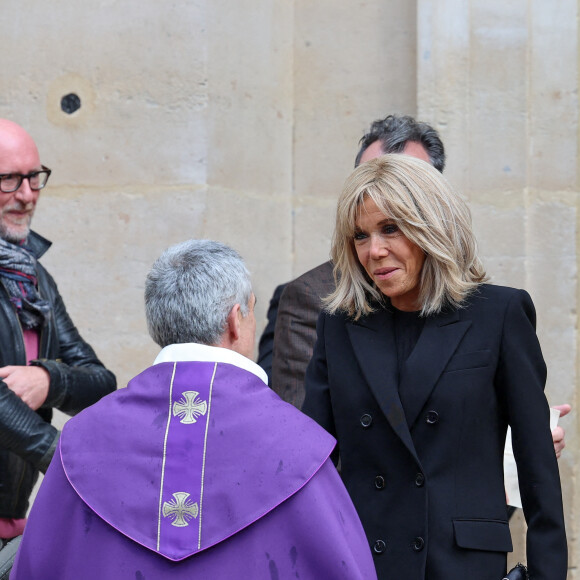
[(188, 408), (180, 509)]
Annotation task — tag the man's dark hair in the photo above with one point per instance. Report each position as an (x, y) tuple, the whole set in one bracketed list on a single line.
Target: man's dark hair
[(394, 132)]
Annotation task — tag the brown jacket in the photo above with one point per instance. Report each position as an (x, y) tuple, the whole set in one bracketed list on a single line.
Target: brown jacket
[(295, 334)]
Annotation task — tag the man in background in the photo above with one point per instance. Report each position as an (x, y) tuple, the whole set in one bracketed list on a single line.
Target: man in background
[(44, 362)]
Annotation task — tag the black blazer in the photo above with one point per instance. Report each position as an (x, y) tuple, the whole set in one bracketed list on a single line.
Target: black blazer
[(422, 453)]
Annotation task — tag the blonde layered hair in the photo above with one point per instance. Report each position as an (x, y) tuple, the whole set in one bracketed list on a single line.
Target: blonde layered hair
[(428, 212)]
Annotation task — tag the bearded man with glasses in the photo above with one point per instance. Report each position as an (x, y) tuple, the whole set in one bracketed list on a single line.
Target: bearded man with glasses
[(44, 362)]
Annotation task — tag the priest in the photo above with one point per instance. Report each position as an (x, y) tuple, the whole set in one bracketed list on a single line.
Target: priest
[(197, 469)]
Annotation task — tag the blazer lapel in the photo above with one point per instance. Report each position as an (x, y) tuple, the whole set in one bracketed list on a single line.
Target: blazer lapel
[(439, 339), (373, 342)]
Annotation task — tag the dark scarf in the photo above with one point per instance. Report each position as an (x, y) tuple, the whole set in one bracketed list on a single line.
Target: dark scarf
[(18, 273)]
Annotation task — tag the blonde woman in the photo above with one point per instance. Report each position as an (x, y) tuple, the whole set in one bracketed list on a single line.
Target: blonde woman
[(418, 369)]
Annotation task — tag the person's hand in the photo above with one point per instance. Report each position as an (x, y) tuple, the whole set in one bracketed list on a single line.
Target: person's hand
[(558, 433), (29, 383)]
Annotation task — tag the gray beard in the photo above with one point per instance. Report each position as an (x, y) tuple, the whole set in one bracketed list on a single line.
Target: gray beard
[(13, 237)]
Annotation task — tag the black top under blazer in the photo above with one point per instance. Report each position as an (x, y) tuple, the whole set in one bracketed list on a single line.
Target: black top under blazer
[(422, 453)]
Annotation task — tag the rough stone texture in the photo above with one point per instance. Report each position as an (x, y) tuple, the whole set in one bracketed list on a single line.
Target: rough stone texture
[(353, 63), (234, 122), (185, 130), (239, 121)]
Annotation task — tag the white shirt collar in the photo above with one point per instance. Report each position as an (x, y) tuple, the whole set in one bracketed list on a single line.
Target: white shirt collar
[(193, 351)]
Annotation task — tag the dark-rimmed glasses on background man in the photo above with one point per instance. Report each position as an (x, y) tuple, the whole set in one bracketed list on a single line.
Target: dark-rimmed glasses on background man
[(10, 182)]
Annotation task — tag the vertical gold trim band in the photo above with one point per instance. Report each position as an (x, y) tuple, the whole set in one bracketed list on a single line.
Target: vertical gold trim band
[(164, 457), (204, 451)]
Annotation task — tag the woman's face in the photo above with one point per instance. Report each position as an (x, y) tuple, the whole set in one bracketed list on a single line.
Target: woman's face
[(392, 261)]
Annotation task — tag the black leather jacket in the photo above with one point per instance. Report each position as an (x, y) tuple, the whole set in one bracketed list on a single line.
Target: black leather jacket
[(77, 379)]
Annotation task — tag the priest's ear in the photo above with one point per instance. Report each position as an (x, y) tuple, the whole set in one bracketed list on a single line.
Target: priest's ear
[(233, 330)]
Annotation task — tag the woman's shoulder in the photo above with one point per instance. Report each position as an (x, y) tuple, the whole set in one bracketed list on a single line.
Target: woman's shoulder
[(497, 296), (496, 291)]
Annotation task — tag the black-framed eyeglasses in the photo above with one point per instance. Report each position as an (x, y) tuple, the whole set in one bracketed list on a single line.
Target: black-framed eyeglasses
[(10, 182)]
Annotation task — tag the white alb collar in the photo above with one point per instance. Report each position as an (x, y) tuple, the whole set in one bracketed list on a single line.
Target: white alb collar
[(192, 351)]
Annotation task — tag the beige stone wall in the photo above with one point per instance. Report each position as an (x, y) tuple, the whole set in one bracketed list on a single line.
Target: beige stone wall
[(232, 121), (185, 130), (239, 121), (353, 63)]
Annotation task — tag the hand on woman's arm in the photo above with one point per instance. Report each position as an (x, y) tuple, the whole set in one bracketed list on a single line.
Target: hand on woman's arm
[(558, 433)]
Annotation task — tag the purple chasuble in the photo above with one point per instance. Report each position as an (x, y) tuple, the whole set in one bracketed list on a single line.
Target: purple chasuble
[(195, 470)]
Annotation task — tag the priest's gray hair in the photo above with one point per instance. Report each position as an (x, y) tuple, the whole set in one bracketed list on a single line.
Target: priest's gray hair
[(191, 289)]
